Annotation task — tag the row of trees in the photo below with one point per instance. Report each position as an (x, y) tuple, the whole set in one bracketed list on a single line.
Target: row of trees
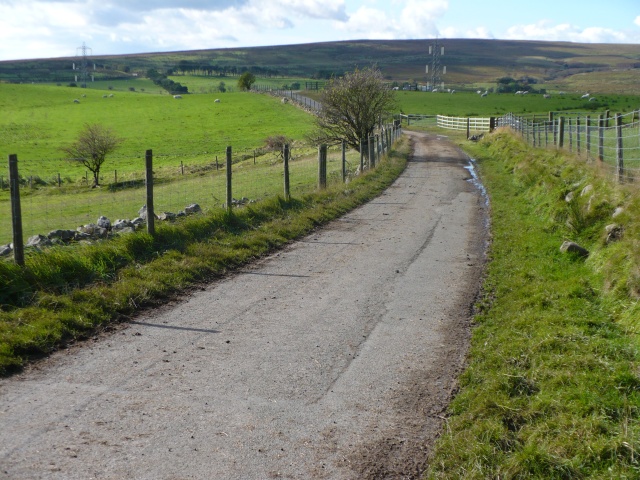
[(193, 67), (512, 85), (189, 67), (169, 85)]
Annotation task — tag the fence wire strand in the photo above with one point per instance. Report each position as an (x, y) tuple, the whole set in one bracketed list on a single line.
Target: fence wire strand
[(179, 181)]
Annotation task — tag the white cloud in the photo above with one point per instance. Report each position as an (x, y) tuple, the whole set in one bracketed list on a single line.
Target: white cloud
[(418, 17), (479, 32), (365, 23), (545, 30), (54, 28), (321, 9), (410, 19)]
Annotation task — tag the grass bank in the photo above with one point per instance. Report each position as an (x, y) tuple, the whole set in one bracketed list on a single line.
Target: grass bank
[(551, 389), (68, 293)]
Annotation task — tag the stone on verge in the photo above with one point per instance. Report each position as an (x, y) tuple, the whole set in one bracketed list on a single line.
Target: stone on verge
[(572, 247)]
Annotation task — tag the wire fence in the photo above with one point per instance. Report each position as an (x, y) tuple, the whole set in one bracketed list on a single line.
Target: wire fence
[(612, 141), (225, 181)]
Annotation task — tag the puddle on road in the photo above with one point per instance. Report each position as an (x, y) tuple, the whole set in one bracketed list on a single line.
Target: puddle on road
[(475, 180)]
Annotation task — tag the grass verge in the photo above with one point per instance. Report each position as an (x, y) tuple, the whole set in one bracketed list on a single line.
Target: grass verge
[(551, 389), (67, 293)]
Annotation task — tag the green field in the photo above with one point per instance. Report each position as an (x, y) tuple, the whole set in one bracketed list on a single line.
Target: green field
[(188, 137), (37, 120), (209, 84), (470, 104)]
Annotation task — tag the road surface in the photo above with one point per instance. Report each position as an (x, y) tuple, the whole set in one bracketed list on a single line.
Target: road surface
[(333, 358)]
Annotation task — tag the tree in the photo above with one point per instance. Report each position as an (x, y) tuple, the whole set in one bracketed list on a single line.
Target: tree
[(222, 87), (352, 105), (91, 148), (246, 80)]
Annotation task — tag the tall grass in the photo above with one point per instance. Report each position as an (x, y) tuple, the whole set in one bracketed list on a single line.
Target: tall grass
[(551, 390)]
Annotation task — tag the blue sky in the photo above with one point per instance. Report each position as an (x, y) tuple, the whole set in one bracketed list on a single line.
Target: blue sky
[(56, 28)]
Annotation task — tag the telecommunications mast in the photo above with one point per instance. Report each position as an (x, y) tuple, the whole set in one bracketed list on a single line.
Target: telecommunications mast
[(82, 53), (435, 68)]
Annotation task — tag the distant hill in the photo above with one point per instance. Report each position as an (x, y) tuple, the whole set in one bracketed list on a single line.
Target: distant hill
[(597, 68)]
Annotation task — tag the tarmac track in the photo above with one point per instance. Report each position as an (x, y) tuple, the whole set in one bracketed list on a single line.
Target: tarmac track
[(334, 358)]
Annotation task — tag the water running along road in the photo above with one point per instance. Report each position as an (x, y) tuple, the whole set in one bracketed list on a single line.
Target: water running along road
[(333, 358)]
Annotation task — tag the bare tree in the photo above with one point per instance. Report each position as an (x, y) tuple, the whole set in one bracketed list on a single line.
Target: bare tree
[(353, 105), (276, 143), (91, 148)]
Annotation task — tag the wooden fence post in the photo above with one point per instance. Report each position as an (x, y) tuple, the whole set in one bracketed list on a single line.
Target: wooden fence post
[(619, 156), (16, 211), (229, 183), (588, 135), (372, 153), (570, 135), (361, 155), (151, 216), (601, 138), (578, 134), (561, 133), (322, 167), (468, 128), (344, 161), (546, 134), (287, 191)]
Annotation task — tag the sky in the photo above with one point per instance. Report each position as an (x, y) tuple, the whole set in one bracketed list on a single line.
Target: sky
[(59, 28)]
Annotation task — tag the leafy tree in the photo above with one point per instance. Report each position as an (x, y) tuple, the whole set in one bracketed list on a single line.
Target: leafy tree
[(91, 148), (222, 87), (246, 80), (352, 106)]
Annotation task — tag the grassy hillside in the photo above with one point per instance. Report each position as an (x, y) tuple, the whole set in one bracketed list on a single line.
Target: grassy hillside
[(601, 68), (38, 119)]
